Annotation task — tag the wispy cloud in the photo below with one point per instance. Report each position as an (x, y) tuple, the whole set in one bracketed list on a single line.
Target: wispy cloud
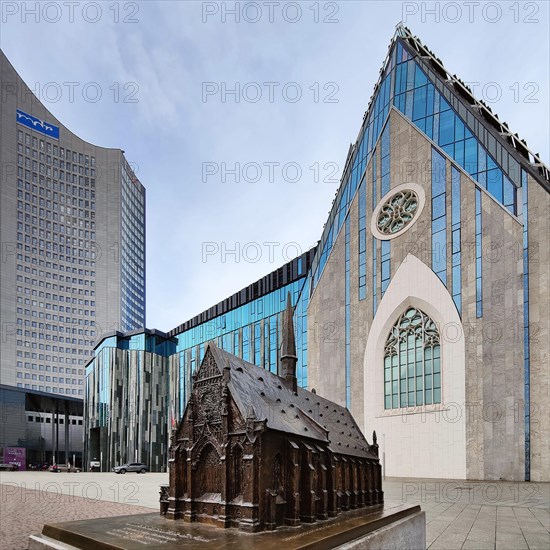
[(171, 131)]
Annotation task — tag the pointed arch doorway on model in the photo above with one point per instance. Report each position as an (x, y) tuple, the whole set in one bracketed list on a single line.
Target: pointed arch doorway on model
[(428, 439)]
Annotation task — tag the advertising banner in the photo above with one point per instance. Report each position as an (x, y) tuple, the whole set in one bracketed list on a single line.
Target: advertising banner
[(16, 455)]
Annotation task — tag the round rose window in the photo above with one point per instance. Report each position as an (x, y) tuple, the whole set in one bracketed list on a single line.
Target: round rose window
[(397, 210)]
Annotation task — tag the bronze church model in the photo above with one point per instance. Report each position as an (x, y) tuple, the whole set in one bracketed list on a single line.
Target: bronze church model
[(254, 451)]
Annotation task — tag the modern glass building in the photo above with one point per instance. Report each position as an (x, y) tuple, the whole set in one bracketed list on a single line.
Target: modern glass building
[(127, 399), (424, 308), (137, 383), (247, 324), (72, 229)]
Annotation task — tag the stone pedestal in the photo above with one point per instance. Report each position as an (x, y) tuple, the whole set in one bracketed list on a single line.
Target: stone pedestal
[(395, 527)]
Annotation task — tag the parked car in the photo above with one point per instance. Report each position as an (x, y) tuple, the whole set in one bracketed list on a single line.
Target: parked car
[(138, 467), (64, 468), (9, 467)]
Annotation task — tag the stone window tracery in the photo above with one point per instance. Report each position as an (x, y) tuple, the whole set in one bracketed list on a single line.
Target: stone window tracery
[(397, 212), (412, 362)]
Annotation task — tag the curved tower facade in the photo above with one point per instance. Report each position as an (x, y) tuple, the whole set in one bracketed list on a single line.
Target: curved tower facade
[(73, 245)]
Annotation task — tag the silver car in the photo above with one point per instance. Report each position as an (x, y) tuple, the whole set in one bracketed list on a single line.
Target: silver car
[(138, 467)]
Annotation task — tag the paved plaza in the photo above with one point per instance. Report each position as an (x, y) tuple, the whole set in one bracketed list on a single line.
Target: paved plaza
[(460, 514)]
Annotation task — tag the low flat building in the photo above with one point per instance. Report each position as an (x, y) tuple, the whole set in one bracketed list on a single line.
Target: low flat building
[(38, 428)]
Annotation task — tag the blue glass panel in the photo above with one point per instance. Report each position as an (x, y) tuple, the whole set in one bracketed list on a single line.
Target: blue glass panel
[(456, 240), (439, 224), (459, 130), (419, 105), (449, 149), (459, 153), (482, 155), (420, 78), (456, 280), (491, 164), (430, 100), (386, 141), (385, 167), (509, 195), (439, 251), (385, 184), (455, 191), (479, 286), (443, 105), (438, 173), (429, 126), (435, 137), (470, 156), (438, 206), (409, 100), (386, 249), (494, 183), (385, 270), (410, 75), (482, 179)]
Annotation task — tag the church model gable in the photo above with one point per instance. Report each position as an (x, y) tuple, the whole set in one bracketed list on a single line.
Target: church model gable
[(256, 452)]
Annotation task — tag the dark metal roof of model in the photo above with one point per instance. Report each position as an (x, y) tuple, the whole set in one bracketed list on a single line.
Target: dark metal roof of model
[(254, 451)]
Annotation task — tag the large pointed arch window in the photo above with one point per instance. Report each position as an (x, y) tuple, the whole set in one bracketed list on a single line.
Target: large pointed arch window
[(412, 362)]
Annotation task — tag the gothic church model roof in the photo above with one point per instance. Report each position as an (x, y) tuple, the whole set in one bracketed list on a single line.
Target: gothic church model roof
[(255, 451)]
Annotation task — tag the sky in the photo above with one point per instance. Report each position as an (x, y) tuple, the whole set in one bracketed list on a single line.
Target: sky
[(237, 116)]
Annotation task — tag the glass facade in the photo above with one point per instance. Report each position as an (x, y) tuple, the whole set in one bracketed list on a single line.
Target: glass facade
[(385, 267), (419, 100), (348, 315), (412, 362), (455, 237), (405, 85), (374, 240), (479, 257), (132, 252), (362, 241), (439, 216), (127, 397), (250, 331)]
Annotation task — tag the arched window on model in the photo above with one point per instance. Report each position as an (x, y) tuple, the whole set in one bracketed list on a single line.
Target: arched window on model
[(237, 464), (412, 362)]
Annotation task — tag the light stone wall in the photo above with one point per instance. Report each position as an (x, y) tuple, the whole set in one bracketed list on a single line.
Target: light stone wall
[(408, 533), (500, 347), (489, 434), (326, 328), (539, 313)]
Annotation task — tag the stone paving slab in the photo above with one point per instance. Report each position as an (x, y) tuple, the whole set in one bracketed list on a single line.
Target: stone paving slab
[(25, 511), (478, 515), (462, 515)]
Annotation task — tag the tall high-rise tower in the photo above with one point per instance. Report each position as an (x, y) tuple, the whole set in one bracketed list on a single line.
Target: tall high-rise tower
[(72, 228)]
